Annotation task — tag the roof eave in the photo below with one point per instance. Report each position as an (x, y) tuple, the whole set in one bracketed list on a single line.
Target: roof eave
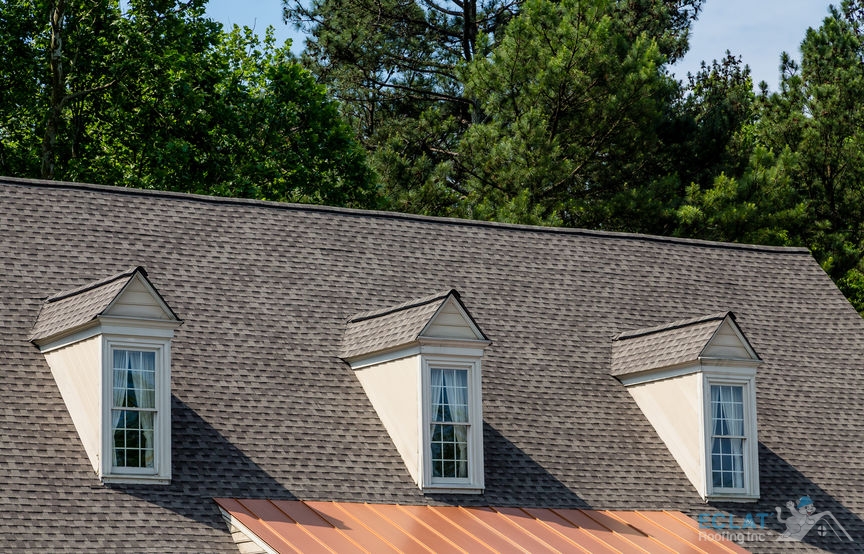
[(421, 345)]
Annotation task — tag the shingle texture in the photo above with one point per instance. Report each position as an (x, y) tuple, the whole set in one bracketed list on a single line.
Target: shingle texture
[(387, 328), (69, 309), (263, 407), (663, 346)]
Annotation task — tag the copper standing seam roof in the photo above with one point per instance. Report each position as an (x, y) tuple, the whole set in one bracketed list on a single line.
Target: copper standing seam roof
[(306, 526)]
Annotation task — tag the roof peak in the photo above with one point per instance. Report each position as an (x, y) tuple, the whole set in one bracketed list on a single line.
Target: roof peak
[(96, 284), (415, 303), (19, 181), (719, 316)]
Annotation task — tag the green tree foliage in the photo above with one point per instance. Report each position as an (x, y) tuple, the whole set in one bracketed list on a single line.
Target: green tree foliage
[(160, 97), (710, 122), (397, 66), (568, 96), (804, 183)]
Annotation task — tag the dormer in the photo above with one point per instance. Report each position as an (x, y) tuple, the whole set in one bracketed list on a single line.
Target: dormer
[(108, 344), (420, 365), (695, 381)]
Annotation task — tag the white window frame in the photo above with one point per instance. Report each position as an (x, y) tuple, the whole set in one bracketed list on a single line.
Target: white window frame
[(474, 483), (750, 447), (160, 473)]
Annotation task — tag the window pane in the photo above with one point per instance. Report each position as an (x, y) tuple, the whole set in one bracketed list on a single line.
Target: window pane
[(727, 463), (450, 395), (449, 451), (727, 410)]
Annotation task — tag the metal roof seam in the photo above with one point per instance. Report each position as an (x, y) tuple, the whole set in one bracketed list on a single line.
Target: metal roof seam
[(592, 515), (336, 528), (399, 527), (670, 531), (684, 520), (421, 522), (338, 506), (648, 536), (303, 527), (522, 528), (380, 537), (494, 530), (269, 528), (651, 536), (555, 531)]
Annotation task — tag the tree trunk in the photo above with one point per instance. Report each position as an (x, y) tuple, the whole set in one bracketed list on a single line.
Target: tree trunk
[(58, 91)]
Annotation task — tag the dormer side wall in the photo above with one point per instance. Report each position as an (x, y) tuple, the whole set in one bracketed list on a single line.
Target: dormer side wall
[(393, 387), (77, 370), (674, 408)]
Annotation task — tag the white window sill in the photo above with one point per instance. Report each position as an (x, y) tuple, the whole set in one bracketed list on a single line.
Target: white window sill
[(131, 479), (732, 497), (452, 489)]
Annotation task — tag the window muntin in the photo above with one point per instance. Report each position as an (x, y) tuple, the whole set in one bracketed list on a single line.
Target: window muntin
[(728, 436), (450, 423), (133, 413)]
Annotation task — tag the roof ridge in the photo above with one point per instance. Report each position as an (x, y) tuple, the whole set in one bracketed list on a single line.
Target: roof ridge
[(95, 284), (20, 181), (416, 303), (719, 316)]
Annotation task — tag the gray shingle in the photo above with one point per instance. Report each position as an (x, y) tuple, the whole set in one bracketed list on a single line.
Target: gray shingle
[(263, 407), (663, 346), (69, 309), (391, 327)]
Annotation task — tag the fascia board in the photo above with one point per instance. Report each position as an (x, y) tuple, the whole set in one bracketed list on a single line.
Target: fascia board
[(69, 336), (449, 347), (383, 356), (259, 542), (660, 373), (117, 325)]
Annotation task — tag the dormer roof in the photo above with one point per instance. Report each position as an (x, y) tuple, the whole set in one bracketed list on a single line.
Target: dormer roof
[(441, 315), (68, 311), (679, 343)]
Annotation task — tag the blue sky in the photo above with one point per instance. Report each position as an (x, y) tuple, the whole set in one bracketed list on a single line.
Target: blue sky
[(758, 30)]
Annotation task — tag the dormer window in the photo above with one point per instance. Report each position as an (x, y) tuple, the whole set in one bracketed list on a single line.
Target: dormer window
[(695, 381), (133, 410), (108, 345), (453, 436), (732, 448), (420, 365)]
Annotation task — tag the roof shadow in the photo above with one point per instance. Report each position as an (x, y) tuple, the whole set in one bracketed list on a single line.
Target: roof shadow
[(513, 478), (205, 465), (780, 483)]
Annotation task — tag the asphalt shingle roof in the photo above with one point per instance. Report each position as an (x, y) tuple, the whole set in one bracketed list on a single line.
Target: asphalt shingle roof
[(664, 345), (386, 328), (262, 406), (70, 309)]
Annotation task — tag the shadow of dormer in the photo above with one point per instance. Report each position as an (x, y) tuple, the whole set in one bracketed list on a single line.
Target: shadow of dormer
[(513, 478), (205, 465), (780, 483)]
